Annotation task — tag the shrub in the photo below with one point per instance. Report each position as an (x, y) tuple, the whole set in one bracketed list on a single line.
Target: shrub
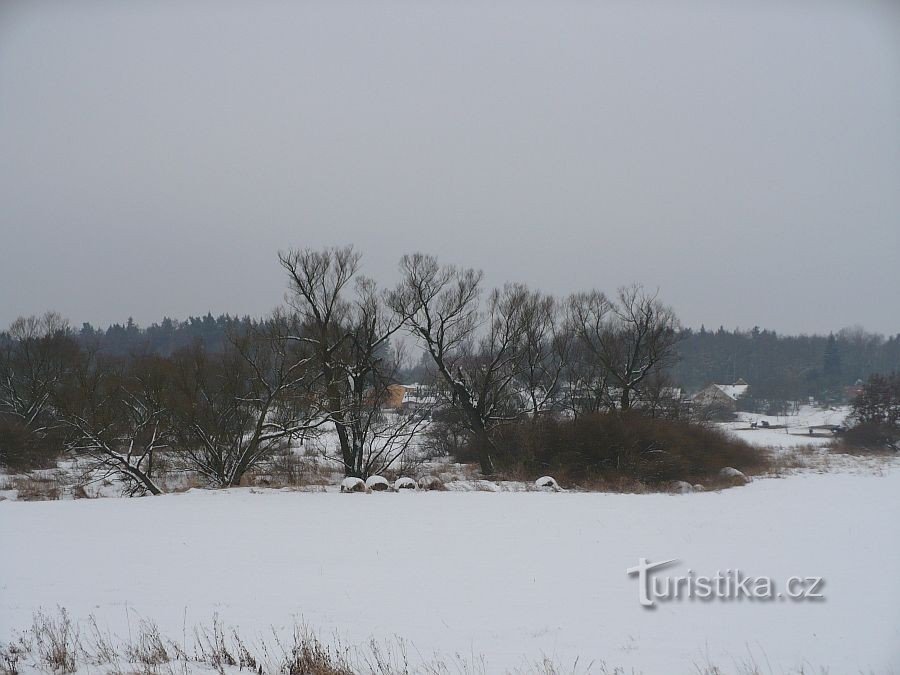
[(617, 447), (872, 436), (33, 489), (21, 449)]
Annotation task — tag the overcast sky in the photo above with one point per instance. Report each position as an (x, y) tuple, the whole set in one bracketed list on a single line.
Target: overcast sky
[(743, 157)]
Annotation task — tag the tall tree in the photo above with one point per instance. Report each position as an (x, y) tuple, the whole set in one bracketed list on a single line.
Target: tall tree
[(630, 337), (477, 355), (348, 328)]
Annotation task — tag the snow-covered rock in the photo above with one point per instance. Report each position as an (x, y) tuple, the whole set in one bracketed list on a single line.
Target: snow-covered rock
[(404, 483), (377, 483), (353, 485), (734, 476), (430, 483), (681, 487), (486, 486), (547, 483)]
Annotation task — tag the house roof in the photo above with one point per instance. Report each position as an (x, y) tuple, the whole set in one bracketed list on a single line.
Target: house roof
[(734, 391)]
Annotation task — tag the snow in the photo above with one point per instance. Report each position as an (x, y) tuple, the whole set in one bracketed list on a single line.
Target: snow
[(795, 428), (510, 575), (351, 484), (377, 483), (404, 483), (547, 482), (682, 487), (430, 483)]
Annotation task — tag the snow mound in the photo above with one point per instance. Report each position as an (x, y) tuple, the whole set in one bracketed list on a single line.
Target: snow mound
[(353, 485), (472, 486), (734, 476), (430, 483), (486, 486), (681, 487), (404, 483), (547, 483), (377, 483)]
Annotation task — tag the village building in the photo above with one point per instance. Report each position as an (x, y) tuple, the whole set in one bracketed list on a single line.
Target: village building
[(721, 397)]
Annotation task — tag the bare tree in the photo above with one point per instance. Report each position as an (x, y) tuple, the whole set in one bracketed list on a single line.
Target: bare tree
[(36, 353), (591, 325), (545, 353), (33, 359), (349, 328), (235, 409), (586, 382), (377, 437), (116, 420), (477, 355), (631, 338)]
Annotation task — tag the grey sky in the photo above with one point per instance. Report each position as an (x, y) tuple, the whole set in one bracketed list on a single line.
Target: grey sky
[(744, 157)]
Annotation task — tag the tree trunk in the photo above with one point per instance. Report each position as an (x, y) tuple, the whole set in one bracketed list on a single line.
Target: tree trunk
[(625, 401), (144, 480), (485, 449)]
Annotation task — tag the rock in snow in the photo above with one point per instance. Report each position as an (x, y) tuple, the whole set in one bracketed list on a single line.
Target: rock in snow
[(404, 483), (377, 483), (681, 487), (734, 476), (547, 483), (353, 485)]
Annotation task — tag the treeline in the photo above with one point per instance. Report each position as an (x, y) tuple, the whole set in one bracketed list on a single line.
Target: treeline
[(242, 391), (778, 367), (784, 367), (163, 338), (221, 397)]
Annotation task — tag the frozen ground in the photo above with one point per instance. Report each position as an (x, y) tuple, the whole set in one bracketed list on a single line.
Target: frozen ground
[(512, 576)]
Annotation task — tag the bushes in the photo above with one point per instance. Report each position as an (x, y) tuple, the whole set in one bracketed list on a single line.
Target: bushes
[(872, 436), (617, 447), (876, 413), (22, 449)]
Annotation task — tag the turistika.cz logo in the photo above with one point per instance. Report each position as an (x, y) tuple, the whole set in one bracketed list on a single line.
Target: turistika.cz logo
[(732, 584)]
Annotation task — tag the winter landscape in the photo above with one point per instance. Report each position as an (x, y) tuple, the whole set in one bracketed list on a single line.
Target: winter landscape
[(435, 338)]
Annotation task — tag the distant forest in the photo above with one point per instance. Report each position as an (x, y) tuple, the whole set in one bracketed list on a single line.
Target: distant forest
[(778, 367)]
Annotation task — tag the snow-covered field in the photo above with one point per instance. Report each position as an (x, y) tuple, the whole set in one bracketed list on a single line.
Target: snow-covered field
[(791, 431), (512, 576)]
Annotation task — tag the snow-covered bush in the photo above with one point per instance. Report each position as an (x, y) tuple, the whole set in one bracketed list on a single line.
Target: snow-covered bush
[(404, 483), (377, 483), (547, 483), (430, 483), (353, 485)]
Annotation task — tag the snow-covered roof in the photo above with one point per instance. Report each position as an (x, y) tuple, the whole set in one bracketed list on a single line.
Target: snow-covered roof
[(734, 391)]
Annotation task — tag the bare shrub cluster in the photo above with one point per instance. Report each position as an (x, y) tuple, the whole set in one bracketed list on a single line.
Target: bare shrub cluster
[(617, 449)]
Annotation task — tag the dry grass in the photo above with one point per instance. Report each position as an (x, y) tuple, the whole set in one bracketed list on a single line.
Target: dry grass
[(35, 488), (56, 644)]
